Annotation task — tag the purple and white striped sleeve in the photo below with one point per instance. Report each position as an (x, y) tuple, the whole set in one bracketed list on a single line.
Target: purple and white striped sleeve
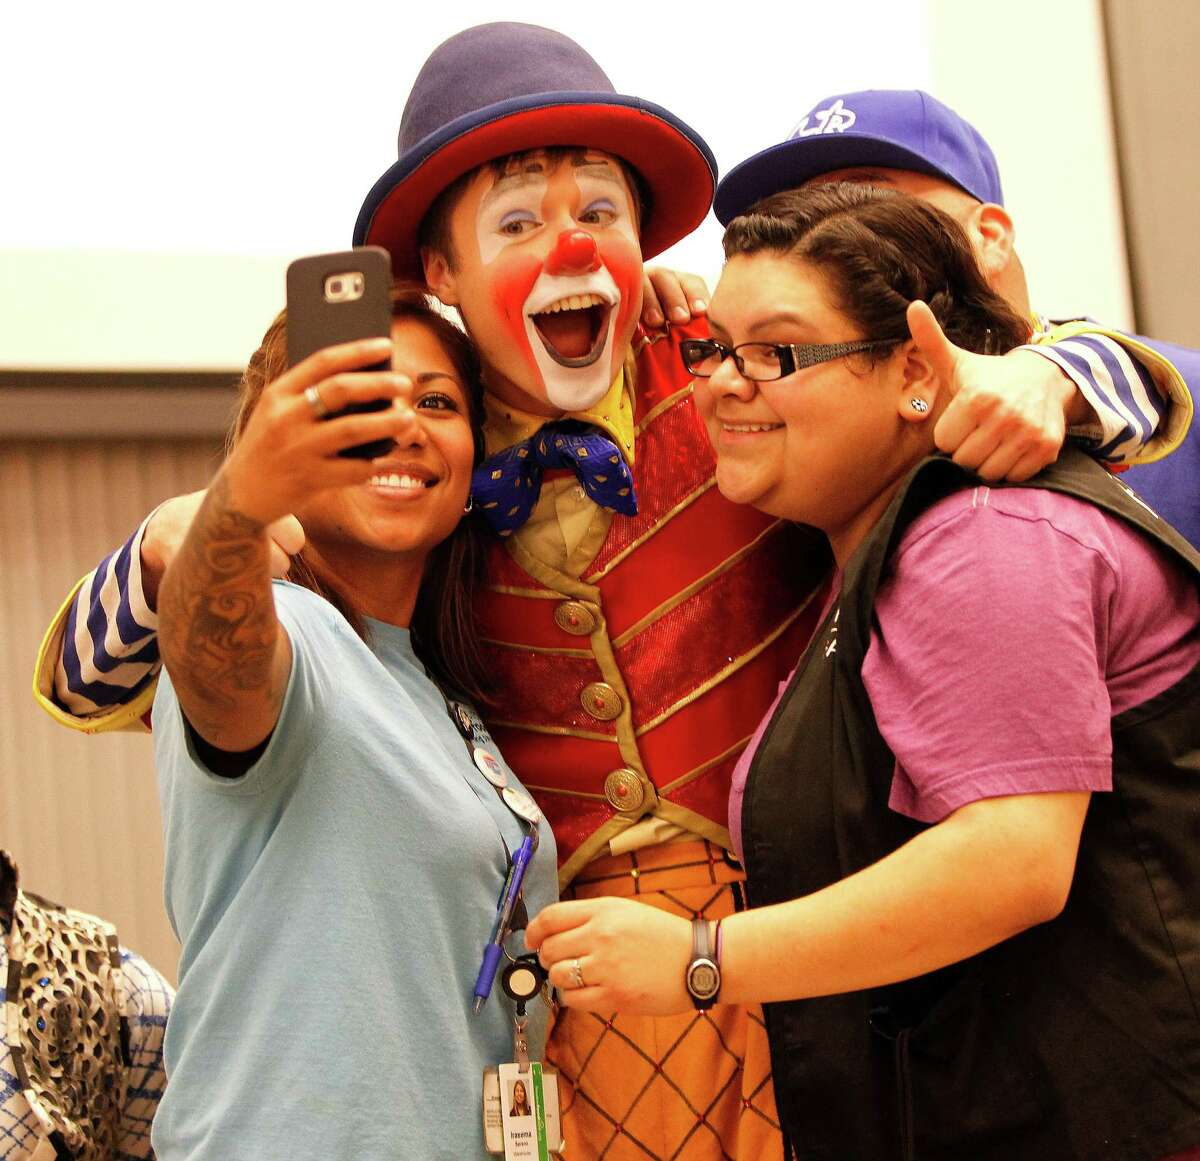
[(110, 646), (1121, 391)]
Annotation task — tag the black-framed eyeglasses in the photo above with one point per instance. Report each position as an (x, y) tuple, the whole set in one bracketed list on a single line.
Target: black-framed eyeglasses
[(765, 362)]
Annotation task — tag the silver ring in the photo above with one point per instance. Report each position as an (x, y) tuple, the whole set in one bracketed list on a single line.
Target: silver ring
[(577, 980), (312, 396)]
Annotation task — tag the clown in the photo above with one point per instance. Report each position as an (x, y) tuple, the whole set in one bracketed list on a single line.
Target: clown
[(548, 275), (637, 624), (613, 545)]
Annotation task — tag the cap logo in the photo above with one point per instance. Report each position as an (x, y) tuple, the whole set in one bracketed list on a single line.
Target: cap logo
[(836, 119)]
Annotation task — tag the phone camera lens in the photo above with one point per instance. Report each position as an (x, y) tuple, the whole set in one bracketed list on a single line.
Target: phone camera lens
[(335, 286)]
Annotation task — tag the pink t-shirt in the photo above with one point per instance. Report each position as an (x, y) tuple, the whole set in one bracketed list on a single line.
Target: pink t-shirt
[(1011, 627)]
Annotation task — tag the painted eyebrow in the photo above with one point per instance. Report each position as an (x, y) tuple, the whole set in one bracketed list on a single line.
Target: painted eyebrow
[(602, 170), (507, 181)]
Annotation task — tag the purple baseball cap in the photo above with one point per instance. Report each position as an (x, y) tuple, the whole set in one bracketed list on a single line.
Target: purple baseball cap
[(890, 128)]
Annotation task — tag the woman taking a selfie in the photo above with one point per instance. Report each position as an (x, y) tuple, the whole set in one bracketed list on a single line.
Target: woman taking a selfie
[(971, 822), (334, 851)]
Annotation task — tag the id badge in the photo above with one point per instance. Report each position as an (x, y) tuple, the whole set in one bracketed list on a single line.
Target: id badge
[(521, 1120)]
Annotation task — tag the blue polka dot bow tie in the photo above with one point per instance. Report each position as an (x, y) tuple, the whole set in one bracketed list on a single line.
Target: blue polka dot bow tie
[(506, 486)]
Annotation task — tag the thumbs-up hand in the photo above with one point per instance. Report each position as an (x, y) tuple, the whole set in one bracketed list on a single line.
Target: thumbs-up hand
[(1006, 417)]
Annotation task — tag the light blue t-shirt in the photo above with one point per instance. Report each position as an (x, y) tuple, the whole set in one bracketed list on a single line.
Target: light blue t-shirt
[(333, 904)]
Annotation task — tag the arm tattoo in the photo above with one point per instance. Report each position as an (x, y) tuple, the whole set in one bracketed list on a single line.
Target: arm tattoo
[(218, 628)]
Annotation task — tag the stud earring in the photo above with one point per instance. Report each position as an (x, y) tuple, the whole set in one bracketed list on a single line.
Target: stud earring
[(918, 405)]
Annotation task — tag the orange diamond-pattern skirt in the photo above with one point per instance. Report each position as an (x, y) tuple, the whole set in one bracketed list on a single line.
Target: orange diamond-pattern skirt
[(695, 1087)]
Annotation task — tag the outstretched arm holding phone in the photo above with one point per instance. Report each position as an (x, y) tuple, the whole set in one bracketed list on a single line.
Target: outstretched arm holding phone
[(219, 636)]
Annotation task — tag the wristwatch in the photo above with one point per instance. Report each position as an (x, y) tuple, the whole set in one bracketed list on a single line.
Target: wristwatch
[(703, 976)]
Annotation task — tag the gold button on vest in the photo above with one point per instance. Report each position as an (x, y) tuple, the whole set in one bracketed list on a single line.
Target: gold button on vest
[(575, 617), (623, 789), (601, 701)]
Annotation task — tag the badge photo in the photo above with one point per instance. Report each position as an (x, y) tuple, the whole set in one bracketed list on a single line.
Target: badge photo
[(521, 1117)]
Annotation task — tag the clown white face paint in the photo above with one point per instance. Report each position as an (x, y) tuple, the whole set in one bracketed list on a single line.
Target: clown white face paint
[(548, 277)]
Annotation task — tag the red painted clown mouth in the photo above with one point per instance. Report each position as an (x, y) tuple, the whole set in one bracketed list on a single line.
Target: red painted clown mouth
[(574, 330)]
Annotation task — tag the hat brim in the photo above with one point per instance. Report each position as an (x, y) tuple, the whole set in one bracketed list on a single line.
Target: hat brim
[(678, 168), (792, 163)]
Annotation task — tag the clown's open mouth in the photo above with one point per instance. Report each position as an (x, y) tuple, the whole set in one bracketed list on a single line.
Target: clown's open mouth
[(574, 329)]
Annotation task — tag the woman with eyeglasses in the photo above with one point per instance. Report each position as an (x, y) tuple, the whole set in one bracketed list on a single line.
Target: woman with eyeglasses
[(971, 821), (338, 825)]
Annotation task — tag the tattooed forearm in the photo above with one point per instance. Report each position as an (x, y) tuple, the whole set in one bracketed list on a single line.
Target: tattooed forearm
[(218, 630)]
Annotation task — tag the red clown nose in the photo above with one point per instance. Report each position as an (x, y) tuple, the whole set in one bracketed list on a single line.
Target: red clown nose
[(574, 253)]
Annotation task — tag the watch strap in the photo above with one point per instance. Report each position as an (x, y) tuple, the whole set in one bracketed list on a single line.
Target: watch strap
[(704, 969)]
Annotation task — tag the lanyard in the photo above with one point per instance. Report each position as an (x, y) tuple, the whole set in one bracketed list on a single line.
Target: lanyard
[(470, 727), (510, 907)]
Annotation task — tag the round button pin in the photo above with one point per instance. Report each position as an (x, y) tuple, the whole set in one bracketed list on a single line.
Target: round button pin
[(489, 766), (462, 719), (521, 804)]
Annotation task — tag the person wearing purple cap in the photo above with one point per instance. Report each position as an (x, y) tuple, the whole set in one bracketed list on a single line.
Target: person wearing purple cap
[(637, 623), (970, 818), (910, 141)]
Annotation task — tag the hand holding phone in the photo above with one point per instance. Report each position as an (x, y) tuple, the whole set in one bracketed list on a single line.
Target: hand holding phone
[(335, 298)]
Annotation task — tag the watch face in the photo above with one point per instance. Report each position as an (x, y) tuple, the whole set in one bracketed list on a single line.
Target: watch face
[(703, 979)]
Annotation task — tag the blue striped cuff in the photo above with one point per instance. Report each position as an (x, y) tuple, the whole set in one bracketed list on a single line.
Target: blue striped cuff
[(1120, 390)]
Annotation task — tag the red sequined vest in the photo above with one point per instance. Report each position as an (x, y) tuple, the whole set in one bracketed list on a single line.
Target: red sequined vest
[(632, 690)]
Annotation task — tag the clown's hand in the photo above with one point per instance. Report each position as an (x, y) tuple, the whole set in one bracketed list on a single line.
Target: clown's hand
[(669, 295), (1007, 415), (168, 527), (631, 957)]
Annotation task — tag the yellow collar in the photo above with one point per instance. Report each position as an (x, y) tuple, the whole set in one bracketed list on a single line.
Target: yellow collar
[(506, 425)]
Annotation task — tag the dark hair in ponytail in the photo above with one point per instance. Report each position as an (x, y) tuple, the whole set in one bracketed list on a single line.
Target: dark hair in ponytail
[(879, 250)]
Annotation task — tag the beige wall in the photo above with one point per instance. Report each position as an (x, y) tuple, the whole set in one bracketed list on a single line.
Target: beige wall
[(1153, 47), (1032, 77), (79, 814), (177, 258)]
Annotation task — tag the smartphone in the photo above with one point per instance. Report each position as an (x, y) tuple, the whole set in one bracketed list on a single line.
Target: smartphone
[(336, 298)]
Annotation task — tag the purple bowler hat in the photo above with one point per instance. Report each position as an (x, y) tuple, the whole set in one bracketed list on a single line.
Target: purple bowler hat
[(889, 128), (501, 88)]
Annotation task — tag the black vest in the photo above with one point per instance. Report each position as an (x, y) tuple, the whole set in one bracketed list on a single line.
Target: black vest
[(1077, 1039)]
